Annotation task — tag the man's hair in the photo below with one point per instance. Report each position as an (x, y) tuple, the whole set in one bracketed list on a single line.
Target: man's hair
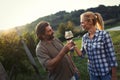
[(40, 29)]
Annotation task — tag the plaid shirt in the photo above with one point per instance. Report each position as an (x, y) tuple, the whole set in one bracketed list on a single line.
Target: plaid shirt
[(100, 51)]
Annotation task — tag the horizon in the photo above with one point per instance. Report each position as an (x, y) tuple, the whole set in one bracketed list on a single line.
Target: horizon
[(18, 13)]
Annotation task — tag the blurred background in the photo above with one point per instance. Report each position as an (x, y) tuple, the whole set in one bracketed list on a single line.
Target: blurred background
[(18, 40)]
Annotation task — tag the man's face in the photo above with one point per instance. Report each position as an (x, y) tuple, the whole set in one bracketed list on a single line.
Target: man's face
[(49, 33)]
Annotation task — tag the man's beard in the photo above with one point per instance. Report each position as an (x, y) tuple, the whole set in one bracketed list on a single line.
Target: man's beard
[(50, 37)]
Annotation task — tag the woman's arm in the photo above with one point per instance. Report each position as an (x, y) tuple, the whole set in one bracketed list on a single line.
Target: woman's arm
[(78, 51)]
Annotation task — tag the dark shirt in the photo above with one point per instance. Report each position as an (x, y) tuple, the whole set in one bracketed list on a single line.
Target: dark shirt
[(46, 51)]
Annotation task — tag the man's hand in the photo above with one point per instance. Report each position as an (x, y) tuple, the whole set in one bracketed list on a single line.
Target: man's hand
[(70, 44)]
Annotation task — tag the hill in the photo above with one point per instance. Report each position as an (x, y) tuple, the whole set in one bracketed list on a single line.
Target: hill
[(110, 14)]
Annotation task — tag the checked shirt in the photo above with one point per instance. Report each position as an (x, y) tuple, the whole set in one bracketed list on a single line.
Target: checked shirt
[(100, 52)]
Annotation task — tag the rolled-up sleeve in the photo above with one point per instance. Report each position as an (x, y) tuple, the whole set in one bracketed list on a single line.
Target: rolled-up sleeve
[(109, 48), (42, 56), (83, 48)]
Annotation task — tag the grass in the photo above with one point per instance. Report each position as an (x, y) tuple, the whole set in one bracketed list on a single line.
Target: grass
[(80, 62)]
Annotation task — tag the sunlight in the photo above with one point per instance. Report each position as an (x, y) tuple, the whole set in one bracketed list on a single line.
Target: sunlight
[(5, 28), (7, 32), (20, 12)]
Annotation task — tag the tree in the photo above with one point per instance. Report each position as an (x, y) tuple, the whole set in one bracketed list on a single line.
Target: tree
[(3, 74), (13, 55), (29, 39), (28, 52), (70, 26), (61, 29)]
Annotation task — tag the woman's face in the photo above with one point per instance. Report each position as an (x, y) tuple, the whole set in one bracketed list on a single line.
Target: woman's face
[(85, 24)]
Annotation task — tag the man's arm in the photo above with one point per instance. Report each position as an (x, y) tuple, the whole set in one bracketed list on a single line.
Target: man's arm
[(52, 63)]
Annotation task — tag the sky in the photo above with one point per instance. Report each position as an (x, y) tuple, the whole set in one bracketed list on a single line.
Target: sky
[(20, 12)]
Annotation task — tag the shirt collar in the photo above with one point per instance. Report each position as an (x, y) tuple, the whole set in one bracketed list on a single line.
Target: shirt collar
[(96, 33), (45, 42)]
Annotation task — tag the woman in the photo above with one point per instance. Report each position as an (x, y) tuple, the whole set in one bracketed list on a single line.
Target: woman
[(97, 44)]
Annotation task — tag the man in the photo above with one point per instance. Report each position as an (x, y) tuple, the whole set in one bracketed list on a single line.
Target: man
[(52, 54)]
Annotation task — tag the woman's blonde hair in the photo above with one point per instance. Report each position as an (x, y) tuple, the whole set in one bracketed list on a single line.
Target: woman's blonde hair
[(96, 18)]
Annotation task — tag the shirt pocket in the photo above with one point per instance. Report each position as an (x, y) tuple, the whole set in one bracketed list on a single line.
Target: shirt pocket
[(98, 45)]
